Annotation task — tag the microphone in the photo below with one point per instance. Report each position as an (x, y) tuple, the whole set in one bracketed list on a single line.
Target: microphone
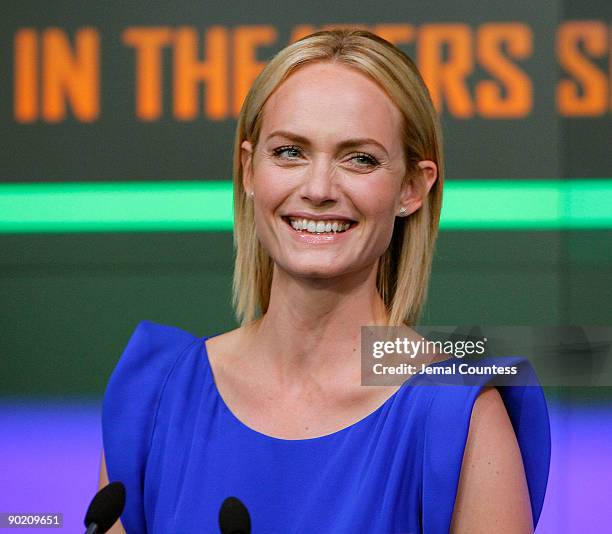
[(234, 517), (105, 508)]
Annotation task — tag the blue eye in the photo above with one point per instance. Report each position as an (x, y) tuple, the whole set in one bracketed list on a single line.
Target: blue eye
[(278, 151), (369, 160)]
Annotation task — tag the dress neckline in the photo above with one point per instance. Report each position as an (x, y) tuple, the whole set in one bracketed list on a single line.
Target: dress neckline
[(353, 426)]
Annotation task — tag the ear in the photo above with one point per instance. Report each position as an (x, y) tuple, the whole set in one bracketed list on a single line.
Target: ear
[(246, 158), (417, 188)]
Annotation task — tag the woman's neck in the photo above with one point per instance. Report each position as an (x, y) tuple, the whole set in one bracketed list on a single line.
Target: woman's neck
[(312, 328)]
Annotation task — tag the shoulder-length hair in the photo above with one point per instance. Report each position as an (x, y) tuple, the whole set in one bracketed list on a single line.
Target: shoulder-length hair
[(404, 268)]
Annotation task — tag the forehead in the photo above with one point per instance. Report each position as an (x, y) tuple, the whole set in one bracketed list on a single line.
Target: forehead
[(325, 101)]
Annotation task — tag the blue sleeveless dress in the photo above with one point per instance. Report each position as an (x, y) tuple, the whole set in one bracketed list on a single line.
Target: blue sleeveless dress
[(170, 438)]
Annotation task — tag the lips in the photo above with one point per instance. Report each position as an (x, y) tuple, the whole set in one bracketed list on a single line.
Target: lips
[(320, 217), (288, 218)]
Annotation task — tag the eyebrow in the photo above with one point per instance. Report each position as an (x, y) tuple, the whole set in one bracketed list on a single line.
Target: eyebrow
[(348, 143)]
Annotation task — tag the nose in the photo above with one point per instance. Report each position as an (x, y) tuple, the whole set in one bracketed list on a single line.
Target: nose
[(319, 183)]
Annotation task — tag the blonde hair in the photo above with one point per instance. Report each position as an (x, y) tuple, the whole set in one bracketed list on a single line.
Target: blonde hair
[(404, 268)]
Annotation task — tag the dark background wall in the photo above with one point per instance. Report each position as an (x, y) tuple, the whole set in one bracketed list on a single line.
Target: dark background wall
[(70, 301)]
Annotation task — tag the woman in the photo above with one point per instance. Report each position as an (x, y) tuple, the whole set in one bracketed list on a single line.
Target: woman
[(337, 196)]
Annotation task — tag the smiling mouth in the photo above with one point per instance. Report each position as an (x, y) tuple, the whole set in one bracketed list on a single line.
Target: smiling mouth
[(351, 224)]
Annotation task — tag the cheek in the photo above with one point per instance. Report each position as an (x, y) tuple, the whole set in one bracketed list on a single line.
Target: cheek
[(379, 211), (379, 203), (270, 192), (272, 183)]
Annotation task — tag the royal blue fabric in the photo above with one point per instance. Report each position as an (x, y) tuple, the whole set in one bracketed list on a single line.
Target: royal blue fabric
[(170, 438)]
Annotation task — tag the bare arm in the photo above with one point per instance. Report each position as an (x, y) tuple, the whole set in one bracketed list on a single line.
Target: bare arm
[(117, 528), (492, 494)]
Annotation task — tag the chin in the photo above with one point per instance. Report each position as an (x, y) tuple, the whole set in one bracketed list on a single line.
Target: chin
[(318, 270)]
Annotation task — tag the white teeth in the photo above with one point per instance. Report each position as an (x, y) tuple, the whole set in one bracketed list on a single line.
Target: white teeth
[(319, 226)]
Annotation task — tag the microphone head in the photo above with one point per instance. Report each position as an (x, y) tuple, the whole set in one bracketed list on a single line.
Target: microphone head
[(234, 517), (106, 507)]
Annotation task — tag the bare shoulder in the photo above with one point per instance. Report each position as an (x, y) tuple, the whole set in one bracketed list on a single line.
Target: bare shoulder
[(492, 493), (225, 350), (226, 355)]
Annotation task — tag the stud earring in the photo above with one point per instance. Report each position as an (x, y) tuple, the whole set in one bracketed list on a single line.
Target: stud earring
[(252, 194), (402, 211)]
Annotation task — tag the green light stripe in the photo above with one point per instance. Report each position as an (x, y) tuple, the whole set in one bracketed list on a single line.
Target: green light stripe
[(207, 206), (116, 207), (503, 204)]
